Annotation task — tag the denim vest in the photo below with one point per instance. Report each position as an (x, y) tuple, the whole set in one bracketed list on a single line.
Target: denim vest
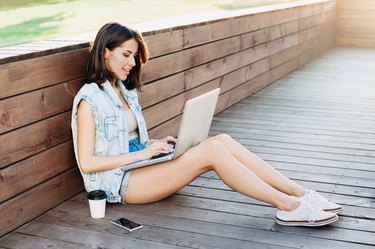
[(111, 132)]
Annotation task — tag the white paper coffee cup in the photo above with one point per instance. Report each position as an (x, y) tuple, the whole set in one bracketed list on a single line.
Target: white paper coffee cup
[(97, 203)]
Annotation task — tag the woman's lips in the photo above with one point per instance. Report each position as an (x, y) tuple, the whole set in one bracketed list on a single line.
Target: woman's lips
[(127, 71)]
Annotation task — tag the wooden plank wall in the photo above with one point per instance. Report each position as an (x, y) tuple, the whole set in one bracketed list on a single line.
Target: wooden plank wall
[(239, 54), (356, 23)]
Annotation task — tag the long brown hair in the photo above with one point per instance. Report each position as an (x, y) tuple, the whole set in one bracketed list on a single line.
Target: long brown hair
[(110, 36)]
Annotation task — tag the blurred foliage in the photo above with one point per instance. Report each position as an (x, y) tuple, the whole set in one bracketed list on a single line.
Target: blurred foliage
[(13, 4), (26, 31), (24, 21)]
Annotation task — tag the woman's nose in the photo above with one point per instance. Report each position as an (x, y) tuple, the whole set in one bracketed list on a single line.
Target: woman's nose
[(132, 61)]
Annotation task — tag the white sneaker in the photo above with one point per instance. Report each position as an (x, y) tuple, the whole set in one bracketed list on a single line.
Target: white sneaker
[(320, 202), (305, 215)]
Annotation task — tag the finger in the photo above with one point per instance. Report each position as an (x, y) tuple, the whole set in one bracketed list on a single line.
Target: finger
[(166, 149), (162, 148), (159, 144), (171, 139)]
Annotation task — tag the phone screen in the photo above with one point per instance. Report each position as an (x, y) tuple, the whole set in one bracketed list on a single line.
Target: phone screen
[(127, 224)]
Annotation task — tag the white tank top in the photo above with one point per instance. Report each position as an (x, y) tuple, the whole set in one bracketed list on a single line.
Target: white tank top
[(132, 124)]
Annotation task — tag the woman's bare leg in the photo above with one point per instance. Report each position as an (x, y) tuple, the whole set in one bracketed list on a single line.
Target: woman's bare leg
[(261, 168), (150, 184)]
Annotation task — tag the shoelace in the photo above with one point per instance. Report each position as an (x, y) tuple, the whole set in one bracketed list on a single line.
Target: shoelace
[(315, 195), (309, 212)]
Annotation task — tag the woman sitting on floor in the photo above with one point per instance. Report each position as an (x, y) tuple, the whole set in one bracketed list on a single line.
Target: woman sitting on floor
[(109, 131)]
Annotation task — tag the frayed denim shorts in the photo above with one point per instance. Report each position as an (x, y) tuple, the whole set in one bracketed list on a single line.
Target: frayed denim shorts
[(134, 145)]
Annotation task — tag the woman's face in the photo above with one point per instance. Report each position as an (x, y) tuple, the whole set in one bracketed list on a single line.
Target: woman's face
[(121, 59)]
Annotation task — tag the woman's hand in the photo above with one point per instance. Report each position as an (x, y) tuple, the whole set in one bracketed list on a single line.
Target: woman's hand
[(169, 140), (157, 147)]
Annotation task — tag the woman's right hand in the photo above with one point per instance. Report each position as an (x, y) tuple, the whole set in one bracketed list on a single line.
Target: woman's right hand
[(156, 148)]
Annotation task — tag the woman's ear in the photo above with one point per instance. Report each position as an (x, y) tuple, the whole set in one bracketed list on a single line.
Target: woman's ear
[(106, 53)]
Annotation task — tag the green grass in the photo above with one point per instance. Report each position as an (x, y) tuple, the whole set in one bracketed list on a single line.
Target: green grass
[(25, 21), (28, 30), (13, 4)]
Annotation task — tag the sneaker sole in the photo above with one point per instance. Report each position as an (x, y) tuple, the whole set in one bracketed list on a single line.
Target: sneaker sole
[(306, 223), (335, 211)]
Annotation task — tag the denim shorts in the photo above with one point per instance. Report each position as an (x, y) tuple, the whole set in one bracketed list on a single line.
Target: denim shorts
[(134, 145)]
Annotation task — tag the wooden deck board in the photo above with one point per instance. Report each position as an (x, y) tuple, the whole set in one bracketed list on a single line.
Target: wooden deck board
[(316, 125)]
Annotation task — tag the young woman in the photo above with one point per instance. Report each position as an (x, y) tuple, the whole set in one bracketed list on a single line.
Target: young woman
[(109, 131)]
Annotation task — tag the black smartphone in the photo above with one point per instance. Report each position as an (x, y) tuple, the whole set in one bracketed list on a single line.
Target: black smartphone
[(127, 224)]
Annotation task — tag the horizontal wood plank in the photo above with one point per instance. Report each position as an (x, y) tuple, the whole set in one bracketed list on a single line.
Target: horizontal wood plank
[(36, 169), (32, 139), (36, 201), (165, 43), (28, 75), (34, 106), (23, 241), (356, 5), (355, 23)]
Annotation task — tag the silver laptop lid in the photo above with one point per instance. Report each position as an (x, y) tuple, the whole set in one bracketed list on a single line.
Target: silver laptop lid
[(194, 127), (196, 120)]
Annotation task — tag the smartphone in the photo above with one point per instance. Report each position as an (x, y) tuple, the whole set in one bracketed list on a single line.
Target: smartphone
[(127, 224)]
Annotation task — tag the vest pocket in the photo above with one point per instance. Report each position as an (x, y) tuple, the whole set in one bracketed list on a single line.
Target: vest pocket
[(110, 128)]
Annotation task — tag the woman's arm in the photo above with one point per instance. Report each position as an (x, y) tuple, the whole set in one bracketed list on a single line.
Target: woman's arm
[(86, 141)]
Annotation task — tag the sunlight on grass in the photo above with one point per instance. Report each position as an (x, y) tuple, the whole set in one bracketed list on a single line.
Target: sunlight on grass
[(12, 4), (24, 21), (29, 30)]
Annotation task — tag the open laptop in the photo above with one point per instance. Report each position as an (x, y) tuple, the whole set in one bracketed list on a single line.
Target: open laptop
[(194, 127)]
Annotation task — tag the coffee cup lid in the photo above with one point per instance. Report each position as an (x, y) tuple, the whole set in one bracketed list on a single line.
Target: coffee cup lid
[(96, 195)]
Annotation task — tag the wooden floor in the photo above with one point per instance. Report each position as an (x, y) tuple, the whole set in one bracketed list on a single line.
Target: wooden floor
[(316, 125)]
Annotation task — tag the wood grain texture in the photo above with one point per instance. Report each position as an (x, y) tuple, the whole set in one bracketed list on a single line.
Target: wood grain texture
[(36, 169), (32, 139), (34, 106), (23, 76), (35, 201), (355, 23)]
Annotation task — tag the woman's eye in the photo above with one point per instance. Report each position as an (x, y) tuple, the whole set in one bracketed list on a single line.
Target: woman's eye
[(126, 55)]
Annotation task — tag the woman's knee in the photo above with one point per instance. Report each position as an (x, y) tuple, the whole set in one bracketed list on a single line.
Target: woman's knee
[(223, 138), (205, 155), (212, 149)]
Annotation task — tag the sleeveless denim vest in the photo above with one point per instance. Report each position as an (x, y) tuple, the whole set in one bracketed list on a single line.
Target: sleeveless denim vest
[(112, 135)]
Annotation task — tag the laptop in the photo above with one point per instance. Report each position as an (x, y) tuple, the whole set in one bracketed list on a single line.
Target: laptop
[(194, 127)]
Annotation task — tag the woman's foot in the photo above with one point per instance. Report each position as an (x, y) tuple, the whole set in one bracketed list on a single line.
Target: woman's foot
[(320, 202), (305, 215)]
